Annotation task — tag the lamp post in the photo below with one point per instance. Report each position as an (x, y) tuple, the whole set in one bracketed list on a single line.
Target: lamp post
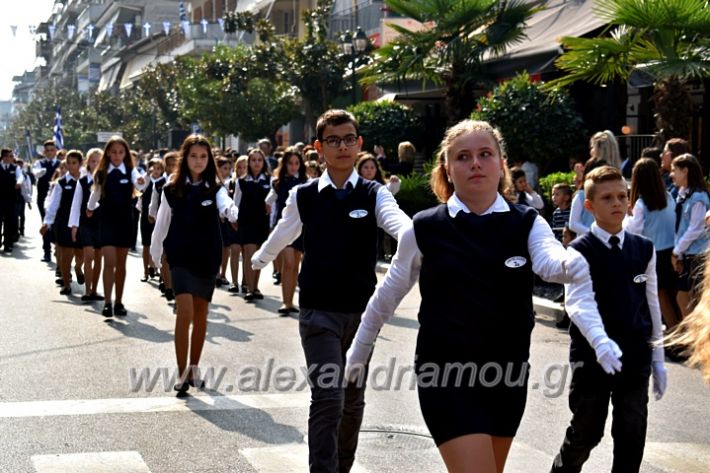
[(354, 46)]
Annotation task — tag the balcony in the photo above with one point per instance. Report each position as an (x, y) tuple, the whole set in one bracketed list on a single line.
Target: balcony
[(196, 39), (89, 15), (85, 58)]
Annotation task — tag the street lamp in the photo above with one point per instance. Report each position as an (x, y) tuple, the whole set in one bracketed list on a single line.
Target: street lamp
[(354, 46)]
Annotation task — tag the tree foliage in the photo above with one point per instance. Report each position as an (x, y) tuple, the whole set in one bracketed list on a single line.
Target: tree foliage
[(537, 124), (450, 50), (386, 124)]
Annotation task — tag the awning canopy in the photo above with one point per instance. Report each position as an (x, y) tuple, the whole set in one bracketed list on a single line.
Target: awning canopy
[(537, 52), (253, 6), (134, 68), (109, 73)]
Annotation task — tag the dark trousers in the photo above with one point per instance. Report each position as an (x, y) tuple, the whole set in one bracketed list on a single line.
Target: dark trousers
[(8, 222), (589, 396), (336, 411), (47, 237)]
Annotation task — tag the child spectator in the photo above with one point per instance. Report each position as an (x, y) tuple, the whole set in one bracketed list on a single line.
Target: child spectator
[(562, 200), (613, 354), (524, 193)]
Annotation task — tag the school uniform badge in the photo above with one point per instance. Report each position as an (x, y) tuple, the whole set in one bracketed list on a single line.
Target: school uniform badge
[(640, 278), (123, 181), (516, 261), (359, 213), (206, 203)]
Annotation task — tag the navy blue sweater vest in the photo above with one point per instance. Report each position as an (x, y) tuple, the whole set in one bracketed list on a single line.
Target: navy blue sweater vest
[(282, 188), (620, 293), (68, 186), (194, 241), (8, 193), (117, 192), (156, 186), (476, 281), (43, 182), (252, 210), (85, 221), (340, 247)]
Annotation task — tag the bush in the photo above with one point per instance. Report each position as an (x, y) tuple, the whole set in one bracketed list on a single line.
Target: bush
[(538, 125), (549, 181), (415, 194), (387, 124)]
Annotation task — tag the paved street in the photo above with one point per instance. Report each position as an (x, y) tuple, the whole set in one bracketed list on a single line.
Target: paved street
[(69, 400)]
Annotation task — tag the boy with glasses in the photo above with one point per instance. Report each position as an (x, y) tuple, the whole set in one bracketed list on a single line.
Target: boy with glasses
[(339, 214)]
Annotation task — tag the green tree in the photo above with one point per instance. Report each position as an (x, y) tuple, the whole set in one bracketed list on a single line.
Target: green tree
[(666, 40), (450, 51), (386, 124), (537, 124)]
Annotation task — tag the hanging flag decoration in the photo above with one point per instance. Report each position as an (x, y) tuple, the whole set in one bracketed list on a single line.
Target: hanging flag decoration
[(52, 29), (129, 28), (58, 130), (204, 24), (71, 29), (146, 29), (109, 30), (221, 23), (90, 32), (166, 27), (14, 30)]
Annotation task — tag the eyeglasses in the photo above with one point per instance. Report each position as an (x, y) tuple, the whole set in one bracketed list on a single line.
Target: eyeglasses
[(334, 141)]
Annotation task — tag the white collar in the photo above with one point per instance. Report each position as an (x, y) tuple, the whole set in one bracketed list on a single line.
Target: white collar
[(53, 160), (325, 180), (154, 180), (69, 177), (455, 205), (604, 236), (121, 168), (260, 177), (188, 181)]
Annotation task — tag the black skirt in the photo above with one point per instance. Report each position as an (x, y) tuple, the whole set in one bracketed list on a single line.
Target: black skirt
[(146, 231), (62, 235), (89, 236), (461, 394), (667, 277), (186, 282), (229, 235), (116, 226)]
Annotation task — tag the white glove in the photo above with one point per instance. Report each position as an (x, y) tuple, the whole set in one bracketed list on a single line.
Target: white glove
[(258, 263), (608, 355), (356, 359), (660, 379)]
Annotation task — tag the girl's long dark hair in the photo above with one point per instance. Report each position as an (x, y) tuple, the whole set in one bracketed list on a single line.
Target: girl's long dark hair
[(209, 175), (646, 182), (696, 183), (264, 168), (282, 170), (101, 171), (379, 175)]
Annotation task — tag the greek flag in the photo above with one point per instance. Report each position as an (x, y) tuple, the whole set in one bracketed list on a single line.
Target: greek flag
[(58, 130), (183, 12)]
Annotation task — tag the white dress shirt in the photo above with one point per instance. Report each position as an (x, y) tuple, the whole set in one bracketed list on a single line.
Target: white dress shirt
[(55, 199), (696, 226), (582, 308), (26, 189), (95, 196), (225, 205), (75, 215), (37, 168), (547, 254), (19, 177), (575, 215), (387, 213)]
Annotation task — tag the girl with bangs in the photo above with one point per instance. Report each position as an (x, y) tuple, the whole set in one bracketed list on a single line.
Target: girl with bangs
[(115, 182), (187, 227)]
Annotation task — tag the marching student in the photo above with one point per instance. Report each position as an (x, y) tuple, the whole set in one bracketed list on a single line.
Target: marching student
[(290, 173), (369, 168), (467, 254), (653, 216), (11, 179), (170, 160), (691, 238), (85, 230), (339, 214), (624, 342), (115, 182), (155, 185), (525, 194), (253, 226), (187, 229), (43, 170), (57, 217), (224, 171), (230, 236), (24, 198)]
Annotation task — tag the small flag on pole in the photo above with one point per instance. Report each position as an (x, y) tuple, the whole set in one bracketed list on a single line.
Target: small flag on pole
[(58, 130)]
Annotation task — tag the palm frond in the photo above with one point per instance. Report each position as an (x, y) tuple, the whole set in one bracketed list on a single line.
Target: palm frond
[(653, 14), (596, 60)]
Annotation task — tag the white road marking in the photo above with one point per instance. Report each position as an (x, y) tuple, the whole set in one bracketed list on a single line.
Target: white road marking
[(290, 458), (152, 404), (93, 462)]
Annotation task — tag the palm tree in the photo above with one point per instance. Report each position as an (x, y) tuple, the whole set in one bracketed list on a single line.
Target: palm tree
[(667, 41), (459, 36)]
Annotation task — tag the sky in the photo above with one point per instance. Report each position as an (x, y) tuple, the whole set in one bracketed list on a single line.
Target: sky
[(17, 53)]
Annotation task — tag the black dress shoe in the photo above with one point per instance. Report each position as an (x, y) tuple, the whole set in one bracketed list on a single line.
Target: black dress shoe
[(294, 309), (181, 388), (169, 295), (196, 383), (277, 279), (249, 296), (108, 310), (86, 298), (96, 297), (145, 278), (80, 279), (119, 310), (65, 291), (151, 272), (284, 311), (161, 286), (233, 289), (258, 295)]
